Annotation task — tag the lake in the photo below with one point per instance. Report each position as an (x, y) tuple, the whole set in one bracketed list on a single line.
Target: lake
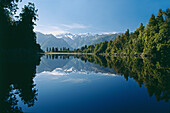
[(84, 84)]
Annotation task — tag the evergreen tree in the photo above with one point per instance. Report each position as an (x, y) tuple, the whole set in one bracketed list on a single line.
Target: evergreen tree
[(168, 13), (85, 46), (53, 50), (159, 17), (141, 27), (152, 40), (56, 49), (152, 21), (50, 50), (127, 33)]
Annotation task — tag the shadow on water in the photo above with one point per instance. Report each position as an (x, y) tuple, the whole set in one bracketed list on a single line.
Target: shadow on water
[(16, 79)]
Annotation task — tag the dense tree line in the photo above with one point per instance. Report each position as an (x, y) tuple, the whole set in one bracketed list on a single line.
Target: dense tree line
[(53, 49), (16, 32), (152, 39)]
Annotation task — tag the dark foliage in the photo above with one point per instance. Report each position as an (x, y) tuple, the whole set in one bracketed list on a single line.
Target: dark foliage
[(17, 82), (16, 33)]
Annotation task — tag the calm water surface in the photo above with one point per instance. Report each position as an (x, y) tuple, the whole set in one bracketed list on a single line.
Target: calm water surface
[(67, 84)]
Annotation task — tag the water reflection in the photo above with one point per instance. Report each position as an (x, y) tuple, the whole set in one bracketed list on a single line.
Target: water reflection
[(18, 74), (16, 79), (57, 56), (153, 74), (71, 62)]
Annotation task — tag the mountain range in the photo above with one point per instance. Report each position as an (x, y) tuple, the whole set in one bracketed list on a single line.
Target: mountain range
[(72, 41), (50, 41), (79, 40)]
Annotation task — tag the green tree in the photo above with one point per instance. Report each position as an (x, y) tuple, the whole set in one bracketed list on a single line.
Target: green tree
[(159, 17), (53, 50), (141, 28), (56, 49), (127, 33), (152, 21)]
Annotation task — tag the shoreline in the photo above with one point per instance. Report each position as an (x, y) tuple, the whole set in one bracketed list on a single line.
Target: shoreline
[(65, 53), (102, 54)]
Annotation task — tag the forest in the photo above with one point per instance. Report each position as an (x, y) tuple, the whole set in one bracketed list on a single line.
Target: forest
[(16, 31), (152, 39)]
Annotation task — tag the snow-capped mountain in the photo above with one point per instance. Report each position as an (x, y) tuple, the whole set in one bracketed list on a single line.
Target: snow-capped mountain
[(73, 36), (72, 41), (50, 40), (79, 40)]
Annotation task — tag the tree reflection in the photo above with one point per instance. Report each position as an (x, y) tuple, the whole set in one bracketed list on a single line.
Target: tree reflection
[(16, 78), (152, 73), (58, 56)]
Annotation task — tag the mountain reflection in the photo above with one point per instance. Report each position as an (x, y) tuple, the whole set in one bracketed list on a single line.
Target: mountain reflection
[(16, 79), (153, 74), (74, 62)]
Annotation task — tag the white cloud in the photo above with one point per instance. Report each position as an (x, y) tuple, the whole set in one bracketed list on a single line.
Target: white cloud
[(108, 33), (77, 80), (75, 26), (55, 30), (60, 29)]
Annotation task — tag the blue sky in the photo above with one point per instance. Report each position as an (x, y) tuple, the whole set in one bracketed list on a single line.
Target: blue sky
[(94, 16)]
